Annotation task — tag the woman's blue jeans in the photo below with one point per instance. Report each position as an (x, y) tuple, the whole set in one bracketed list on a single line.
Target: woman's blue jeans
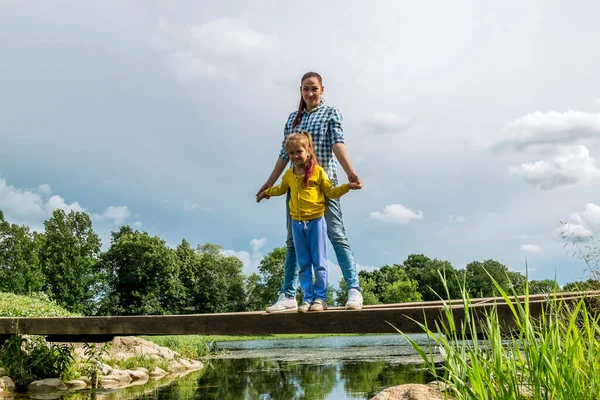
[(339, 241)]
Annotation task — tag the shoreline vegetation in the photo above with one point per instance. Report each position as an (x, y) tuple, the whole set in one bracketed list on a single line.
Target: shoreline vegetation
[(553, 357)]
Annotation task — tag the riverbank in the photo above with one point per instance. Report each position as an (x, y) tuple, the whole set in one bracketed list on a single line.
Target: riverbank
[(119, 364)]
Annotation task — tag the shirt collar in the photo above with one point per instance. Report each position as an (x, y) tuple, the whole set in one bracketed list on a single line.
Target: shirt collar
[(321, 104)]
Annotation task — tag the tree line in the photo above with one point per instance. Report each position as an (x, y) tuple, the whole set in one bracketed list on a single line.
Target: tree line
[(140, 274)]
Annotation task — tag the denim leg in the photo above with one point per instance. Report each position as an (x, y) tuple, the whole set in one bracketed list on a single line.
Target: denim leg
[(302, 244), (318, 252), (339, 241), (290, 272)]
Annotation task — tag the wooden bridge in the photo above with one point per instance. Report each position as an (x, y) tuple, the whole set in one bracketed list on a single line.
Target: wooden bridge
[(382, 318)]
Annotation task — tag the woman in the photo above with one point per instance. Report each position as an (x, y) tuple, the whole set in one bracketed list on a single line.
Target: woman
[(324, 123)]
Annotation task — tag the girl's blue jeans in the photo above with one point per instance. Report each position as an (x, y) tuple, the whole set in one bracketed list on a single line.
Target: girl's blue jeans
[(339, 241), (310, 243)]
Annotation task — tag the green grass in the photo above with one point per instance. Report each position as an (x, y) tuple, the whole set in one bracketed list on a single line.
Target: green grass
[(555, 356), (35, 305), (143, 361)]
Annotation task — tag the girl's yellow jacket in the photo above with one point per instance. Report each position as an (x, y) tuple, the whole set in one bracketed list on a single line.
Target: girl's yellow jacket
[(307, 203)]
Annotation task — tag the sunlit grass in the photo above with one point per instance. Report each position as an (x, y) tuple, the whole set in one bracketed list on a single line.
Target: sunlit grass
[(554, 356), (36, 305)]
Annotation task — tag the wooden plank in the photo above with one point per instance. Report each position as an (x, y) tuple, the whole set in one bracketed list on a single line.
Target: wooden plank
[(372, 319), (249, 323)]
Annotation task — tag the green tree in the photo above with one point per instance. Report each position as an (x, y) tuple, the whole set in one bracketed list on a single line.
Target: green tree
[(517, 282), (544, 286), (582, 286), (479, 278), (428, 273), (20, 268), (388, 284), (142, 274), (69, 252), (264, 287)]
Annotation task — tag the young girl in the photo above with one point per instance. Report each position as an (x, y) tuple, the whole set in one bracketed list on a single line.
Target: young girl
[(308, 184)]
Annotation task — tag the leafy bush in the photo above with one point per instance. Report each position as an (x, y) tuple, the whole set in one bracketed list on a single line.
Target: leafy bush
[(27, 360)]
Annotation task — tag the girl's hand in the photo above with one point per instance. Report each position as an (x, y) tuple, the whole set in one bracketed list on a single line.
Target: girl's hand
[(261, 196), (355, 185)]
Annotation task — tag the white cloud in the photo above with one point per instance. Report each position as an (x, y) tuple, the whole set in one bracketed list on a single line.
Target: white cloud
[(456, 219), (584, 224), (45, 189), (187, 206), (213, 49), (57, 202), (137, 225), (387, 122), (243, 256), (548, 128), (19, 203), (531, 248), (396, 214), (597, 102), (28, 207), (118, 214), (252, 260), (571, 166), (258, 244)]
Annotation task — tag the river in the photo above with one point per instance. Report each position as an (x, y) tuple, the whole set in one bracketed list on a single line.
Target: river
[(328, 368)]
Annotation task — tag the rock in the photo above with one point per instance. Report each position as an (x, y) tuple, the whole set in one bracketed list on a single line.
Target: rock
[(158, 373), (106, 369), (6, 385), (137, 375), (175, 366), (142, 369), (119, 376), (130, 346), (409, 392), (440, 386), (46, 386), (76, 384), (185, 363)]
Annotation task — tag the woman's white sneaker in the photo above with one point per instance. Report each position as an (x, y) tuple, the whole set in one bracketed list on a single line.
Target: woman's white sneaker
[(355, 300), (283, 304)]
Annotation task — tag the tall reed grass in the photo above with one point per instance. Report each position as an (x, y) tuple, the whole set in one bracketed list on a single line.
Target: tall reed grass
[(555, 355)]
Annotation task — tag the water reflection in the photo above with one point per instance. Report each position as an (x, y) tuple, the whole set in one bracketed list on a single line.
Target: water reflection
[(304, 369), (268, 379)]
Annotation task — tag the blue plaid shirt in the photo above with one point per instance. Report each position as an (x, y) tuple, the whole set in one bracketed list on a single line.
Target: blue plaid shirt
[(324, 124)]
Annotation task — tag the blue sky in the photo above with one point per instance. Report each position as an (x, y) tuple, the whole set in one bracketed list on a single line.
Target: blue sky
[(475, 126)]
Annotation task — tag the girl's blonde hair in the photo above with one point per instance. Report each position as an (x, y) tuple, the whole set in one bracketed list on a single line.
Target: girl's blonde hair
[(305, 140)]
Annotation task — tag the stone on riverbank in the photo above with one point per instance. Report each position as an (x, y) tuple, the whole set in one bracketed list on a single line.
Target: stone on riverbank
[(46, 386), (76, 384), (158, 373), (409, 392), (6, 384)]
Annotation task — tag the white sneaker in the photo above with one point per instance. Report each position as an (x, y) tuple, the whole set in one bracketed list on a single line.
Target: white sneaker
[(283, 304), (355, 300)]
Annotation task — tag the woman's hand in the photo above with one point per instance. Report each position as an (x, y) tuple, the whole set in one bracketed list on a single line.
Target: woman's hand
[(261, 195), (355, 185)]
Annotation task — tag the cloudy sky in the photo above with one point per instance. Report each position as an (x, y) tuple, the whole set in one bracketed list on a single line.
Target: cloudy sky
[(475, 126)]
